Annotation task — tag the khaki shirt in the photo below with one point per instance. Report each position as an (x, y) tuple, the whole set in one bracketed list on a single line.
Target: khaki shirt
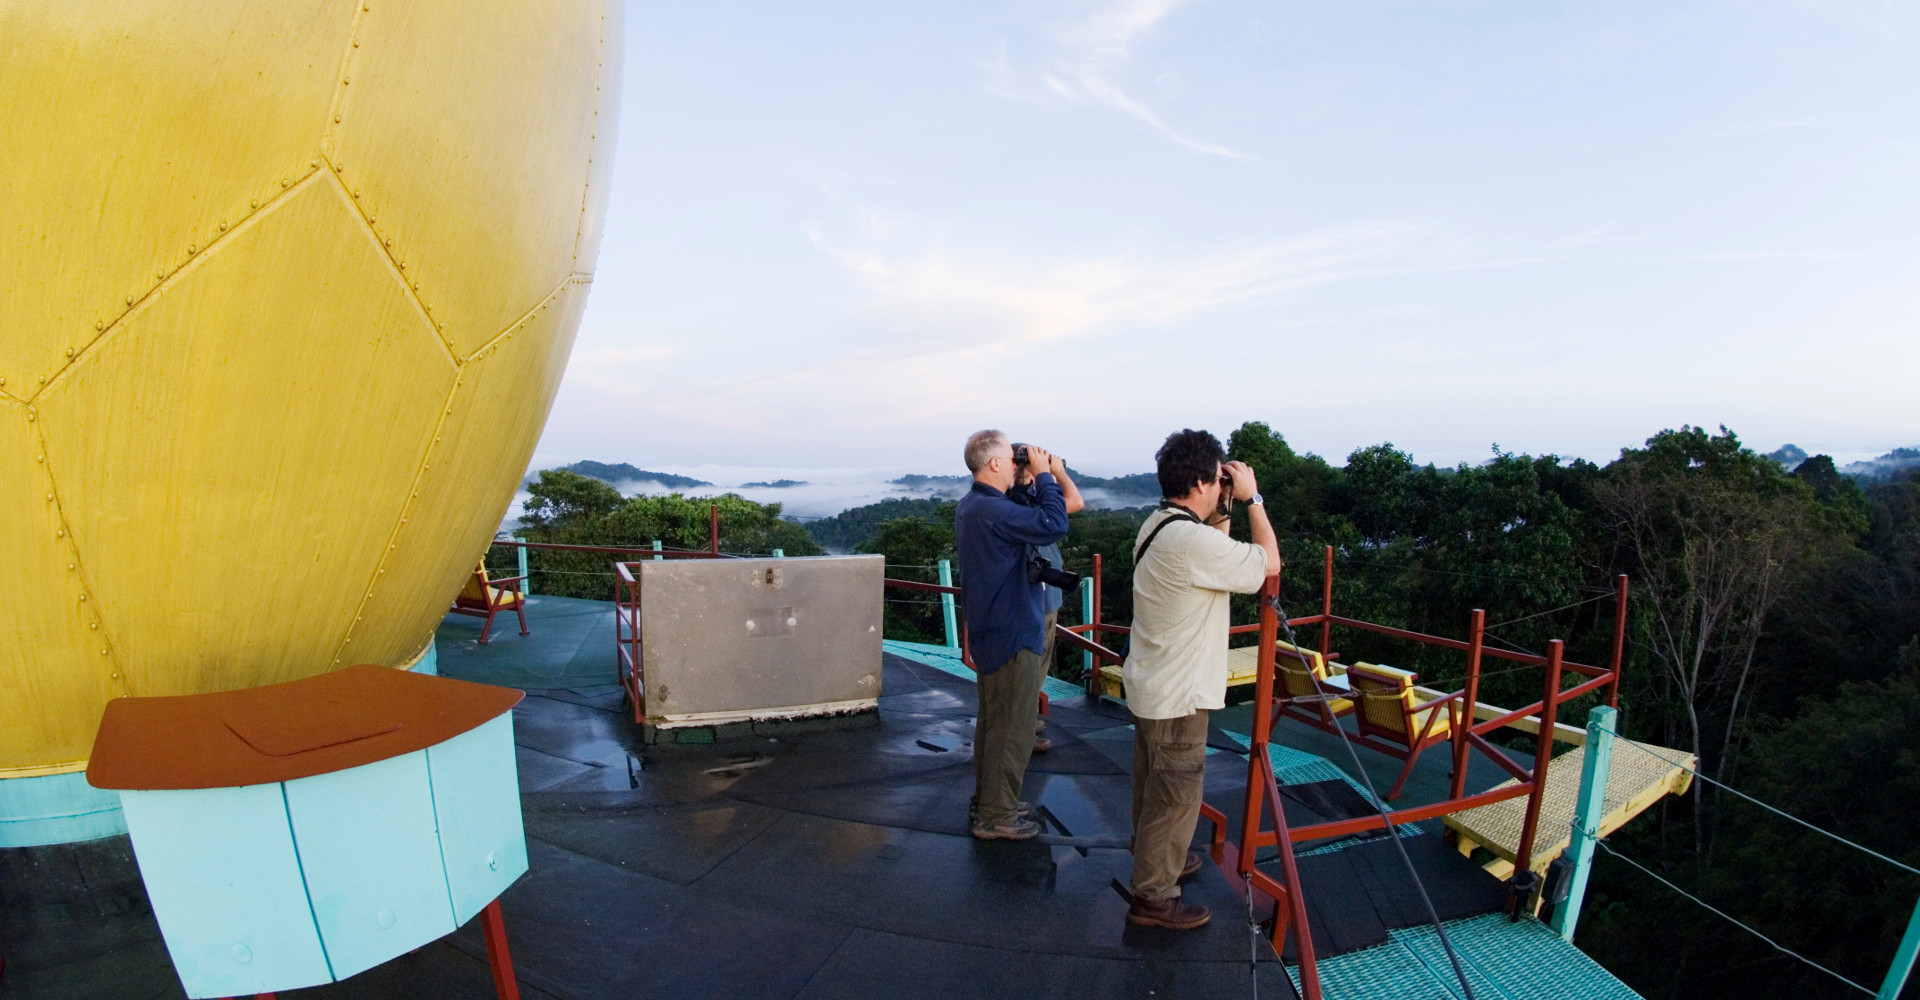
[(1177, 651)]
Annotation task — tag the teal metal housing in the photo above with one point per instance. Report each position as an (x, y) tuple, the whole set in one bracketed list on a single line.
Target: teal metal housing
[(56, 809), (280, 886)]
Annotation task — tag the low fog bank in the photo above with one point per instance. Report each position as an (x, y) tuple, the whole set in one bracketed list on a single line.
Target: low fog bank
[(819, 492)]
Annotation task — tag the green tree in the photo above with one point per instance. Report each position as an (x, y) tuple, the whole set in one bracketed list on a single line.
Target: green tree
[(913, 547), (847, 529), (568, 509), (560, 499), (1718, 537)]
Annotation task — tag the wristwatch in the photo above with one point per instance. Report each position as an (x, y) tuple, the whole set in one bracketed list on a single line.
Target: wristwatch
[(1257, 499)]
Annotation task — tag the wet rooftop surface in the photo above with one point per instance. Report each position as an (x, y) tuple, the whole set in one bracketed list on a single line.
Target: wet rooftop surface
[(829, 860)]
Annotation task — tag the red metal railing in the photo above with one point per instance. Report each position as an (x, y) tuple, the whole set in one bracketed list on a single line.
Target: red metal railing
[(966, 648), (626, 618), (1236, 858)]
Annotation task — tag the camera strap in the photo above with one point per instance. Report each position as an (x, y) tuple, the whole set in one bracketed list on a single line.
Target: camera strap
[(1182, 515)]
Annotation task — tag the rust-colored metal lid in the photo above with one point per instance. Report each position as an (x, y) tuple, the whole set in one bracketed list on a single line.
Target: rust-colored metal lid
[(281, 732)]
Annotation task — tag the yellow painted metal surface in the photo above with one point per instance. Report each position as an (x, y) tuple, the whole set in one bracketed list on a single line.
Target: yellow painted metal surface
[(290, 286), (1635, 781)]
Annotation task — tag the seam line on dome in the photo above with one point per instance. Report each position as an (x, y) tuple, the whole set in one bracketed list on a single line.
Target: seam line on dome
[(399, 521), (116, 679), (394, 266), (336, 107), (526, 317), (173, 277), (593, 133)]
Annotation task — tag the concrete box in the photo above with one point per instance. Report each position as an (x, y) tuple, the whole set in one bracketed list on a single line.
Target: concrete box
[(736, 640)]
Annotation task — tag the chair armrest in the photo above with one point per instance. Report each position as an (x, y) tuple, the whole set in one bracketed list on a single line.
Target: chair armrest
[(503, 581), (1457, 696)]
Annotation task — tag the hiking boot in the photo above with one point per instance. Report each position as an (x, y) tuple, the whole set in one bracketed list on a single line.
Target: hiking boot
[(1016, 828), (1173, 914), (1192, 867)]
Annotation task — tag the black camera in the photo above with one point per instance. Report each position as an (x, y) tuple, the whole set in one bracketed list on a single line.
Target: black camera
[(1040, 570)]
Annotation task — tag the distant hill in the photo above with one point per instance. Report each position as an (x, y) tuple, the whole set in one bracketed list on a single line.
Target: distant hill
[(1139, 486), (1789, 456), (843, 531), (778, 484), (1874, 470), (947, 486), (625, 475), (1884, 468)]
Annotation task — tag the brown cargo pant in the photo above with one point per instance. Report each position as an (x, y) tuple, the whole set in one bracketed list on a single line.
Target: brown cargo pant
[(1169, 775), (1003, 737)]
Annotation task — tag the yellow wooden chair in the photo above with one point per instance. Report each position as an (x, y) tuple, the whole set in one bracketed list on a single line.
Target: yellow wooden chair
[(1300, 698), (484, 598), (1391, 723)]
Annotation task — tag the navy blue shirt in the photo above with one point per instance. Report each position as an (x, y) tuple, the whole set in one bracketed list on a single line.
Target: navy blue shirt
[(992, 537), (1028, 496)]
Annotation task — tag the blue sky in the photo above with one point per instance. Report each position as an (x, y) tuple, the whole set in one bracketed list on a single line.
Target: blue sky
[(848, 234)]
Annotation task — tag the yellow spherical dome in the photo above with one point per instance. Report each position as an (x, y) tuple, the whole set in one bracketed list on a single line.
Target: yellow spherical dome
[(290, 285)]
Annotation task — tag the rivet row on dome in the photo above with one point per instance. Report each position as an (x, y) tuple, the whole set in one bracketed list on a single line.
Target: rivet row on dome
[(101, 325)]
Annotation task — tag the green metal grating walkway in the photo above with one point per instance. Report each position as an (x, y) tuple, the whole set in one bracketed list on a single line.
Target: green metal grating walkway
[(1503, 961)]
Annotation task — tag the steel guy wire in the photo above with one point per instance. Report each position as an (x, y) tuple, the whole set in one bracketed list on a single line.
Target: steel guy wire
[(1253, 940), (1471, 576), (1772, 809), (1775, 945), (1380, 805), (1564, 607)]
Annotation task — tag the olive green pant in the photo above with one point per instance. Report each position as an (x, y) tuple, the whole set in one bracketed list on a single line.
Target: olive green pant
[(1169, 775), (1003, 737)]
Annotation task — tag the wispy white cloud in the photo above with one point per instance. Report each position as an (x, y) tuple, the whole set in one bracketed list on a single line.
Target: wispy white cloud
[(1004, 302), (1773, 125), (931, 328), (1084, 61)]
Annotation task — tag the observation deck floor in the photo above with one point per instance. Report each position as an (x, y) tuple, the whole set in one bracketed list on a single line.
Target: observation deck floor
[(835, 862)]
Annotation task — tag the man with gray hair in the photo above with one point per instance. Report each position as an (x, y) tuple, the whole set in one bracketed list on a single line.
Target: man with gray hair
[(1006, 619)]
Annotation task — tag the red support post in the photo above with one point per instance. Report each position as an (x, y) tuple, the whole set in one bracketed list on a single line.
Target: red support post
[(1476, 633), (1326, 606), (1295, 912), (713, 528), (1263, 799), (1262, 725), (1619, 638), (1542, 756), (494, 928)]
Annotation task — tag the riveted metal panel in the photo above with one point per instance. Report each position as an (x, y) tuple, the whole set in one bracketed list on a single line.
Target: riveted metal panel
[(730, 639), (220, 867), (264, 254)]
